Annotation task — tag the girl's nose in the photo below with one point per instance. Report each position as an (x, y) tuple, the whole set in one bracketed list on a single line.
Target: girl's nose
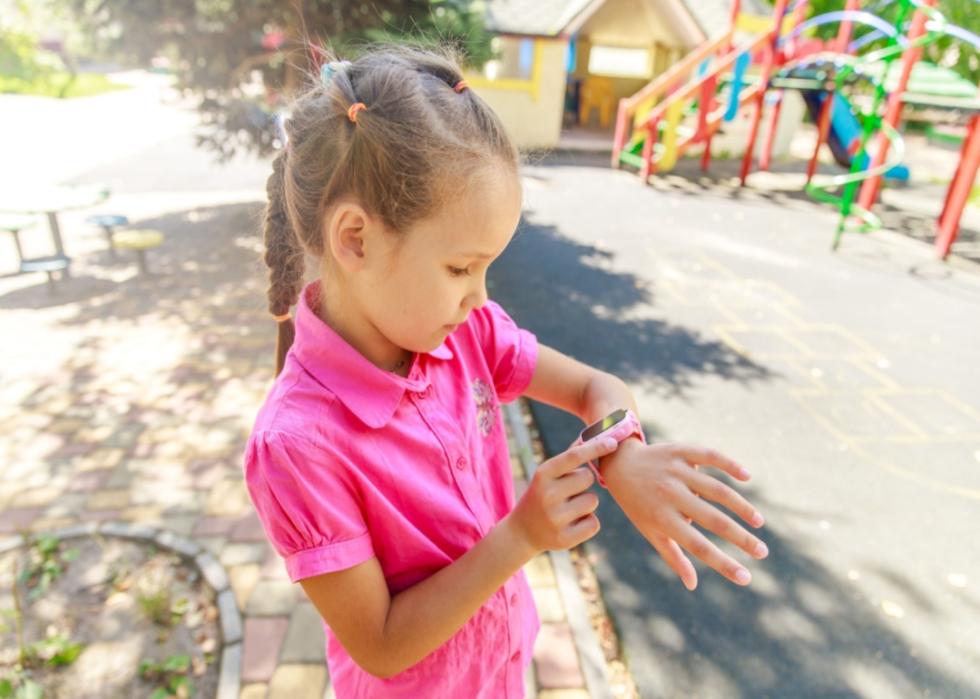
[(480, 297)]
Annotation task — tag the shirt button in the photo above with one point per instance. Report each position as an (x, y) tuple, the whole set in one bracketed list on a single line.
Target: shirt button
[(515, 657), (513, 600), (461, 463)]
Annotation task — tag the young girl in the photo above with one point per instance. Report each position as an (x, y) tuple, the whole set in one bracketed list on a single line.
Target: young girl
[(378, 463)]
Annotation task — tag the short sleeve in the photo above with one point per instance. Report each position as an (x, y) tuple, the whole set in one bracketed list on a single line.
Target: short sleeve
[(511, 352), (309, 510)]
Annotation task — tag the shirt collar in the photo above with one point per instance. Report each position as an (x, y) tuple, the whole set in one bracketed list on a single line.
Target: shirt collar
[(369, 392)]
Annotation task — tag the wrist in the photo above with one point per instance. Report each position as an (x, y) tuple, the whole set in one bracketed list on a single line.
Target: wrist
[(606, 464), (516, 538)]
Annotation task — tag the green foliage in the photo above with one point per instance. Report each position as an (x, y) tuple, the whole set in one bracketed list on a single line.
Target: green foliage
[(226, 53), (945, 50), (46, 565), (459, 23), (23, 64), (20, 688), (56, 650), (171, 676)]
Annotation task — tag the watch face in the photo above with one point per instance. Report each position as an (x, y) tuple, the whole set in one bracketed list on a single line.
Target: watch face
[(604, 424)]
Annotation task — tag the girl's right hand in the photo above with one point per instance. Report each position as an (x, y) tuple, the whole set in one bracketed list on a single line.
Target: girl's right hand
[(555, 511)]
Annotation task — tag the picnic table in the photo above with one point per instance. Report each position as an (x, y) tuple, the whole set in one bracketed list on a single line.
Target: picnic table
[(51, 200)]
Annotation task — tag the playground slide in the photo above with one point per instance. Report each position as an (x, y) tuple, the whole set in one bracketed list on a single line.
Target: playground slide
[(844, 130)]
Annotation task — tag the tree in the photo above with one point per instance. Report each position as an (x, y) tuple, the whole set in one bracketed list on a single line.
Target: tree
[(946, 51), (243, 59)]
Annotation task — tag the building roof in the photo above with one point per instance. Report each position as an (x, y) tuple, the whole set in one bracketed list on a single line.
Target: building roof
[(538, 17), (551, 17)]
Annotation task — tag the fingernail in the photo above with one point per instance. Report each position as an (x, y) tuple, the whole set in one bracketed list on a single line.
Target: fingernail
[(610, 443), (761, 549), (743, 576), (758, 520)]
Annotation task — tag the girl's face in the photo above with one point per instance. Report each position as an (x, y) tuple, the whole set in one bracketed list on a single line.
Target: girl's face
[(436, 275)]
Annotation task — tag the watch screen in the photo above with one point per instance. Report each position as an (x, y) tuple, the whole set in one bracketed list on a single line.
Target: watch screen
[(603, 424)]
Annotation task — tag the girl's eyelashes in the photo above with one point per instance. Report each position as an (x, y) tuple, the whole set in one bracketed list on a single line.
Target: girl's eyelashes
[(457, 272)]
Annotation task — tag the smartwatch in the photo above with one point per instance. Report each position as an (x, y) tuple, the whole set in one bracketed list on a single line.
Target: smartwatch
[(620, 424)]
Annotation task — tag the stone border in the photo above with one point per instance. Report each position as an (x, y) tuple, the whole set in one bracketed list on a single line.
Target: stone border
[(576, 610), (229, 677)]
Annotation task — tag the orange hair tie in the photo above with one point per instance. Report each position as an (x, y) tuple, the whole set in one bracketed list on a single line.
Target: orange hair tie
[(354, 109), (282, 318), (461, 85)]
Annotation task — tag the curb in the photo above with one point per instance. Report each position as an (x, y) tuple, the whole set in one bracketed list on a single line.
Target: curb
[(586, 643), (211, 570)]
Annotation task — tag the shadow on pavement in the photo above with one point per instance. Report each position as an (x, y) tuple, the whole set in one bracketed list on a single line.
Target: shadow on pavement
[(796, 631), (161, 372)]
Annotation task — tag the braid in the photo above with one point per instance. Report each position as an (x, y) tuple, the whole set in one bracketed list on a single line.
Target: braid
[(283, 256)]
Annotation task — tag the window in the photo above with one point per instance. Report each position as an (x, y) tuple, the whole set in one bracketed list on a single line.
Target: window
[(619, 62), (515, 58)]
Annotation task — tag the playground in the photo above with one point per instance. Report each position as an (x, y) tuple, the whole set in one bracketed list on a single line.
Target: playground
[(855, 89), (755, 304)]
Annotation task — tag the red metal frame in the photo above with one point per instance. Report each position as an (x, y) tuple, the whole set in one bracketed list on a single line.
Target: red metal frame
[(770, 58), (959, 190)]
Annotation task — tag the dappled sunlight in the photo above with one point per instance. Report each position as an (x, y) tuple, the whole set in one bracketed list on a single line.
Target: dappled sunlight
[(140, 384)]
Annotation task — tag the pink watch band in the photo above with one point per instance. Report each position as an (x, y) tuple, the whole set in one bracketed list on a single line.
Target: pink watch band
[(624, 429)]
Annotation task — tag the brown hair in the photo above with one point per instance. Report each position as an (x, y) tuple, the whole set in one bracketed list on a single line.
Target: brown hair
[(415, 141)]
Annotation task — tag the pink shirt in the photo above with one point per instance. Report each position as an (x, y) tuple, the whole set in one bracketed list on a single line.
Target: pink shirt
[(347, 461)]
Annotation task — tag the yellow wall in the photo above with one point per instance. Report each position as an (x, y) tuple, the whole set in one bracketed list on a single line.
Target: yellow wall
[(530, 109), (628, 23)]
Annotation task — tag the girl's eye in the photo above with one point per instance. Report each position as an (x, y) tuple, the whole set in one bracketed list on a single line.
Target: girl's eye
[(457, 272)]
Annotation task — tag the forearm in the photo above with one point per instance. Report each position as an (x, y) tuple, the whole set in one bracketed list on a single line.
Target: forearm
[(424, 616), (603, 394)]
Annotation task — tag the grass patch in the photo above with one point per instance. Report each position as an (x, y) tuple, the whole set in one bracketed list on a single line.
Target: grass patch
[(60, 84)]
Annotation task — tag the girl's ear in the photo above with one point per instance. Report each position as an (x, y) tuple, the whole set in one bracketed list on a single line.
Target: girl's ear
[(345, 235)]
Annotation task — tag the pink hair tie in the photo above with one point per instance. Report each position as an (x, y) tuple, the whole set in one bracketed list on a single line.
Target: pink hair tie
[(461, 85), (354, 109)]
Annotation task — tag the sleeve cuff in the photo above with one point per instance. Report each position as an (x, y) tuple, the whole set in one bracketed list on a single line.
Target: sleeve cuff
[(329, 558), (527, 357)]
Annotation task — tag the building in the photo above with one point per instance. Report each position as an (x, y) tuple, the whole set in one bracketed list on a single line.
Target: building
[(566, 63)]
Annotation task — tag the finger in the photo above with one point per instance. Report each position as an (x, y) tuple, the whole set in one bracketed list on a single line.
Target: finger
[(709, 457), (713, 519), (574, 457), (716, 491), (574, 482), (582, 530), (701, 547), (579, 506), (675, 559), (694, 467)]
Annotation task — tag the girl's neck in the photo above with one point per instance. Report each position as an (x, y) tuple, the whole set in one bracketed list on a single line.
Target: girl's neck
[(360, 334)]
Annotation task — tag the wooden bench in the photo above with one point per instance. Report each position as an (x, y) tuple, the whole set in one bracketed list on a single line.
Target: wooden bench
[(140, 240)]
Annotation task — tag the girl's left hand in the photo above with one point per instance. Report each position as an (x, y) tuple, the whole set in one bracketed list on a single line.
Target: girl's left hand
[(661, 490)]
